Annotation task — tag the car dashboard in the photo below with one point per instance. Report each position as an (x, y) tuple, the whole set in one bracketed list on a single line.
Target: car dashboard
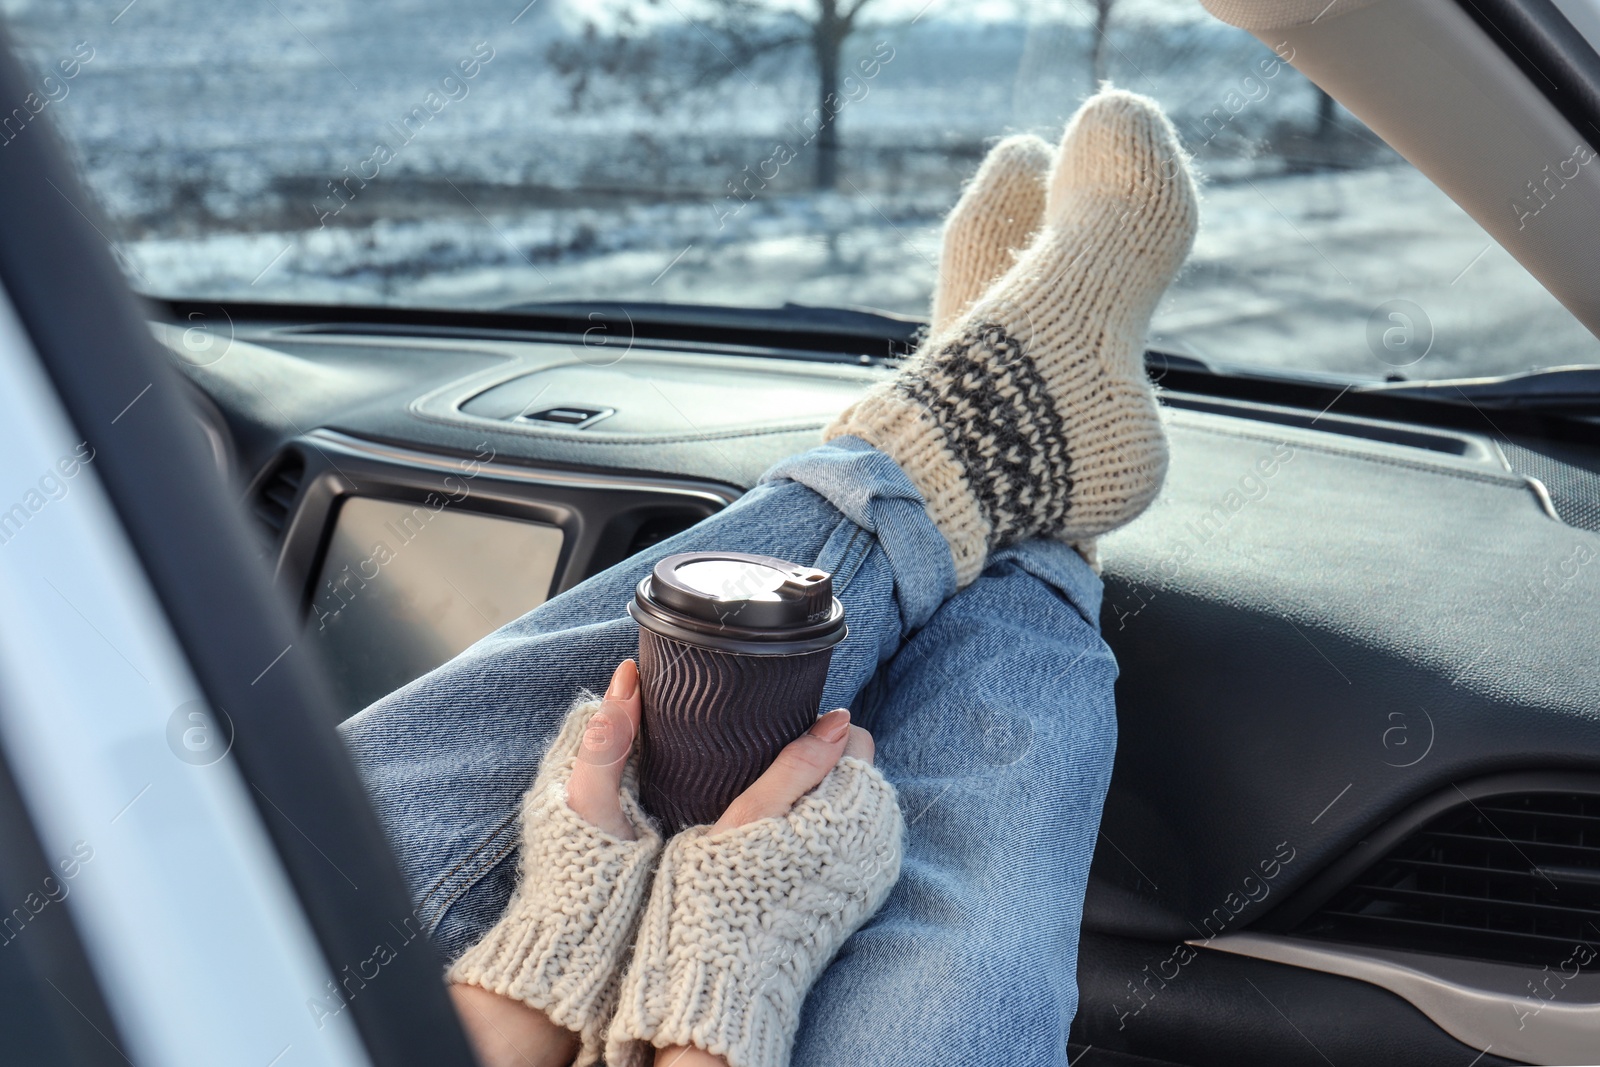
[(1358, 771)]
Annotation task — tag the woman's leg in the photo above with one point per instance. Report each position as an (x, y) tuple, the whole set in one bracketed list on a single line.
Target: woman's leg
[(1026, 415), (996, 726), (447, 758)]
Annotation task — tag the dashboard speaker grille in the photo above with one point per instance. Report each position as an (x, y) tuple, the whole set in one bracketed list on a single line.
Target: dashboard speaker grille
[(1510, 878), (1574, 489), (275, 495)]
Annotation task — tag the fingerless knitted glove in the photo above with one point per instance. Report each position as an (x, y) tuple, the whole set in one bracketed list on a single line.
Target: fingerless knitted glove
[(741, 922), (561, 944)]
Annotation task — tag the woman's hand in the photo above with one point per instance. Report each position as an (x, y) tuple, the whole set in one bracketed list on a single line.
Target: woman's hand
[(538, 987), (595, 789), (799, 768)]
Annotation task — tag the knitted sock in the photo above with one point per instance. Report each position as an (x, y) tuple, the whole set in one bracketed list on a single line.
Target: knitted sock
[(1030, 414), (741, 922), (562, 941), (996, 218)]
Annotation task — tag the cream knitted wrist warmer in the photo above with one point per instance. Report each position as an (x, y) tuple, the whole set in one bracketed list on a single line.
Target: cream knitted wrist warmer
[(741, 922), (1031, 414), (562, 941)]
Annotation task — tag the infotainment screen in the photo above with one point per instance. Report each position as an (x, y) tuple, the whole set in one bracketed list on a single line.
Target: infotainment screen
[(405, 586)]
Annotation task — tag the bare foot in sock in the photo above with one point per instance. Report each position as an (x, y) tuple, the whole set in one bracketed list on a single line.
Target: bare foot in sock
[(997, 217), (1030, 413)]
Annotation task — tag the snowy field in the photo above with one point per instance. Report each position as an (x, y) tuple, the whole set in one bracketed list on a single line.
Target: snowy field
[(211, 133)]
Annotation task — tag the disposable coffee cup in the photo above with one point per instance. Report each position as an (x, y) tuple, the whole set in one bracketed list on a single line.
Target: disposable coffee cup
[(733, 656)]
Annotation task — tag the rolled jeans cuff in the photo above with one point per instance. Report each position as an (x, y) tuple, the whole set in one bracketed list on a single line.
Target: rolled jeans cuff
[(873, 492)]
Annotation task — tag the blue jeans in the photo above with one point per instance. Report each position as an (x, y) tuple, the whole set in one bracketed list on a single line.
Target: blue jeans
[(991, 709)]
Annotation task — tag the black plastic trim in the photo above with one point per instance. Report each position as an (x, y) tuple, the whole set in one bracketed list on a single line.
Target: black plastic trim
[(1317, 397), (1159, 1003), (1392, 433), (600, 514), (195, 547), (596, 327)]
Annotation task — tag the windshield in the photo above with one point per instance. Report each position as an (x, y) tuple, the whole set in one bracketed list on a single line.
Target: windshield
[(485, 153)]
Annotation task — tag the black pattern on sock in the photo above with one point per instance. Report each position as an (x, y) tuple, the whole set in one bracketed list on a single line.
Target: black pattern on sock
[(999, 419)]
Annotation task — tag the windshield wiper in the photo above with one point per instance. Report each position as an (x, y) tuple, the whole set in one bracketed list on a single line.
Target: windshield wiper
[(844, 322), (1574, 390), (794, 331)]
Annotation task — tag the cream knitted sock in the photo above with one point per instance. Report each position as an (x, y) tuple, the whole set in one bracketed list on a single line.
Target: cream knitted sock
[(561, 943), (996, 218), (742, 921), (1031, 414)]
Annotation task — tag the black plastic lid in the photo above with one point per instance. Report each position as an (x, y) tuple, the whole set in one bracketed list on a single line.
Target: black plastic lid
[(739, 602)]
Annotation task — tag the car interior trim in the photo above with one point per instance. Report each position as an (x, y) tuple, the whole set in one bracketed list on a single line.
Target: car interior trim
[(1485, 1005), (602, 518), (1440, 410), (1466, 446), (1279, 14), (179, 524), (601, 515), (1542, 491), (812, 394), (190, 979), (1555, 57), (711, 492), (70, 1023)]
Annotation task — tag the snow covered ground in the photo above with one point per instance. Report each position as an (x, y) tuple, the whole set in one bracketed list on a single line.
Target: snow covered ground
[(1287, 271), (210, 131)]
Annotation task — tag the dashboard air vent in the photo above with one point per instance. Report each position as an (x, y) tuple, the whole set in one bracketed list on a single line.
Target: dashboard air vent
[(654, 531), (275, 495), (573, 417), (1511, 878)]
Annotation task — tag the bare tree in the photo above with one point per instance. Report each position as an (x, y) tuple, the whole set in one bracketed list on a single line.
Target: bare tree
[(725, 40), (1098, 43), (830, 29), (1326, 120)]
